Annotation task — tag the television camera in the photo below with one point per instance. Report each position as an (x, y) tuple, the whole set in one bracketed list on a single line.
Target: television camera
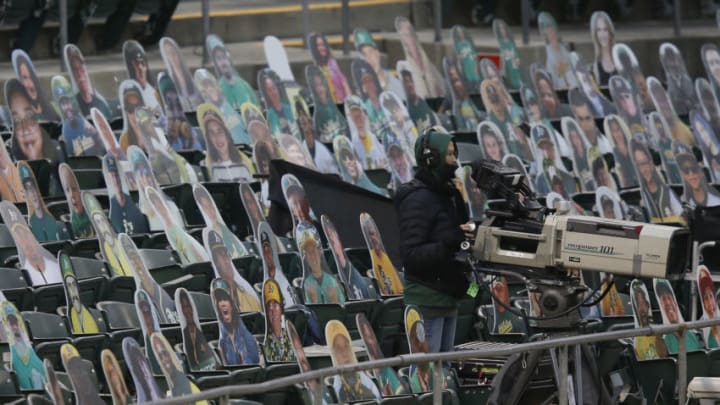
[(521, 237)]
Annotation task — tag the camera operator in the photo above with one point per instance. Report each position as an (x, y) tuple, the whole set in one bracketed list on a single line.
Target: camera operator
[(433, 223)]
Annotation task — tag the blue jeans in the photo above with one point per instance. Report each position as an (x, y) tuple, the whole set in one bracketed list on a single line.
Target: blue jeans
[(440, 333)]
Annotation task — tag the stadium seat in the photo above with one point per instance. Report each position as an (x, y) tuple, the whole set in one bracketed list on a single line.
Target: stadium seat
[(119, 315), (49, 297), (389, 326), (16, 289), (658, 379), (203, 306), (92, 276), (250, 268), (48, 332)]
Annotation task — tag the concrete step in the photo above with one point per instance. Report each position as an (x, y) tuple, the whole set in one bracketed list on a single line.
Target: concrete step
[(644, 38), (236, 21)]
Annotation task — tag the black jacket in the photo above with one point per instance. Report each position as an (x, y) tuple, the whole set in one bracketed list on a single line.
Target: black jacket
[(430, 214)]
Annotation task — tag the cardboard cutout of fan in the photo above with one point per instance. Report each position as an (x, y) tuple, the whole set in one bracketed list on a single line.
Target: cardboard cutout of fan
[(40, 265), (242, 293)]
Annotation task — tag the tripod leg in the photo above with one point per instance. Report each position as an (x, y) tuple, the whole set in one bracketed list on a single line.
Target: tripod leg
[(578, 376), (511, 381)]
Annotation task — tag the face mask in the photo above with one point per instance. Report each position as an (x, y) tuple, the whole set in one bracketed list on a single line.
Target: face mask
[(446, 171)]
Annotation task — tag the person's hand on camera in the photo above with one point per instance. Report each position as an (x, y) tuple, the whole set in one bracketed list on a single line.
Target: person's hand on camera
[(469, 230)]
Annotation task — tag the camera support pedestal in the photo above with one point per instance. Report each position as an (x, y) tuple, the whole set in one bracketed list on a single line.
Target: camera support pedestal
[(552, 298)]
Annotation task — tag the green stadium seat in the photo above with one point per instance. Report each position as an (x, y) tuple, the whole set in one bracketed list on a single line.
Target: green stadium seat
[(658, 379), (16, 289), (84, 163), (203, 306), (389, 326)]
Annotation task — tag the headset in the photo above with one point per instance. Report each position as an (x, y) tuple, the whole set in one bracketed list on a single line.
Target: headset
[(430, 156)]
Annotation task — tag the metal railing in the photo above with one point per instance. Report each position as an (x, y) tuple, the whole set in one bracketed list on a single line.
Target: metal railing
[(224, 393)]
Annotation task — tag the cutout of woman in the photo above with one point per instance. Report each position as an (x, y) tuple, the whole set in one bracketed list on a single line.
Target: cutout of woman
[(619, 133), (10, 187), (509, 55), (660, 201), (602, 30), (711, 59), (708, 143), (558, 61), (199, 354), (322, 55), (696, 190), (599, 104), (429, 83), (113, 147), (678, 129), (582, 152), (321, 155), (491, 141), (327, 120), (223, 160), (79, 219), (278, 111), (180, 74), (708, 103), (29, 140), (680, 85), (551, 106), (25, 72), (466, 114), (107, 238)]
